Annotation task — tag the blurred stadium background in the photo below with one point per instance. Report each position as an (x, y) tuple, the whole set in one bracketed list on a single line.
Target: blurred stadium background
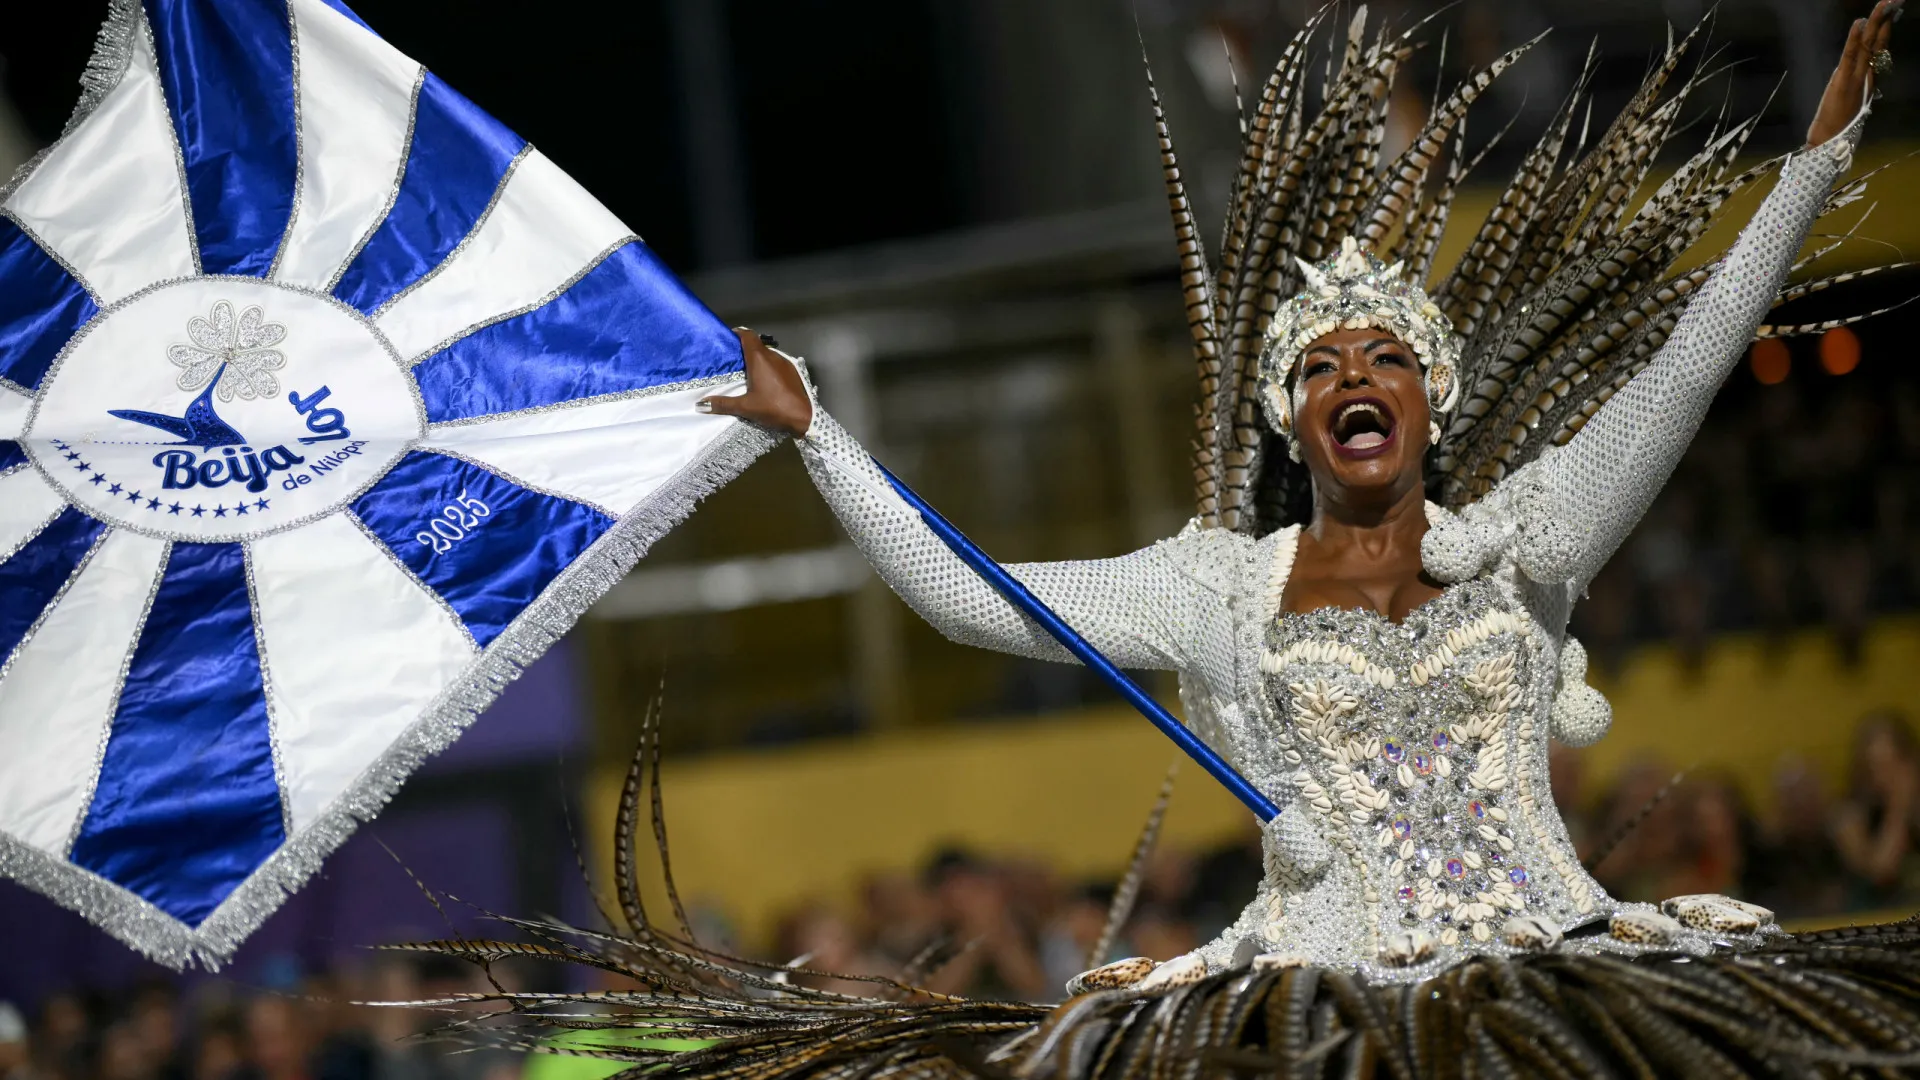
[(952, 208)]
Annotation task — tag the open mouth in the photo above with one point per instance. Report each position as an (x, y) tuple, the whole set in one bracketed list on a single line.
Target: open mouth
[(1362, 426)]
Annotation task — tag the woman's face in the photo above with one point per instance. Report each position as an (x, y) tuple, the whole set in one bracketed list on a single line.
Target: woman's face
[(1362, 419)]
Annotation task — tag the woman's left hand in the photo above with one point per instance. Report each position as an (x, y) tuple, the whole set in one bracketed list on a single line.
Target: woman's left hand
[(776, 396), (1847, 89)]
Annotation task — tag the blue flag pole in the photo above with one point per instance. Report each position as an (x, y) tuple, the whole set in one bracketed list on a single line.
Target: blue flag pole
[(1021, 597)]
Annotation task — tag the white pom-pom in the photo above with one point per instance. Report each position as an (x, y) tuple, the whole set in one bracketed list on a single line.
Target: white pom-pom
[(1580, 714), (1454, 550), (1547, 549)]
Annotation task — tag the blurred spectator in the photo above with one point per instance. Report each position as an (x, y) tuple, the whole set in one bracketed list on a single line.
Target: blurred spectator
[(1034, 895), (1158, 931), (1223, 881), (1715, 833), (819, 938), (1644, 828), (123, 1054), (998, 956), (1796, 870), (16, 1053), (343, 1050), (220, 1048), (278, 1044), (1875, 829), (902, 917), (1168, 877), (413, 1057), (1899, 502), (1673, 576), (154, 1020), (63, 1044), (1073, 932), (711, 927)]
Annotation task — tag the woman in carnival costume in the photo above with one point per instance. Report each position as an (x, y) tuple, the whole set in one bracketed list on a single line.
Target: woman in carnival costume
[(1388, 669)]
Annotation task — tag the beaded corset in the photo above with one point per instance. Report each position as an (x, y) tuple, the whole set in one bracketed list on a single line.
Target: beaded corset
[(1419, 753)]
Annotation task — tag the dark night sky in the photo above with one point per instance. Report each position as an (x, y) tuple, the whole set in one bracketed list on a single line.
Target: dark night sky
[(847, 128)]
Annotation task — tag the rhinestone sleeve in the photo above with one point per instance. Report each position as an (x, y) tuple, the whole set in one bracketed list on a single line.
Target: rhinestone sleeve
[(1593, 491), (1166, 606)]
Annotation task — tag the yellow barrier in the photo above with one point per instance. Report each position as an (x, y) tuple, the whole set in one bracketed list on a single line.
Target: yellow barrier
[(1749, 704), (758, 832)]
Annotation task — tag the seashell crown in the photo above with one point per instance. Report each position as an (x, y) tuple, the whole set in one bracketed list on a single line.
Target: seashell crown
[(1354, 291)]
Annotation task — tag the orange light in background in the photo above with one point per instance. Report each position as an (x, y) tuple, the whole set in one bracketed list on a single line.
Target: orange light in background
[(1839, 351), (1770, 361)]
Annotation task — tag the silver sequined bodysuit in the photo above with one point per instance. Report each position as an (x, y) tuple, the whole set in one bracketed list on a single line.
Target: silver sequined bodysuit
[(1410, 759)]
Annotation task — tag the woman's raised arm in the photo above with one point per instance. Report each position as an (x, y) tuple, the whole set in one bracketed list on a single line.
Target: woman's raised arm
[(1150, 609), (1598, 486)]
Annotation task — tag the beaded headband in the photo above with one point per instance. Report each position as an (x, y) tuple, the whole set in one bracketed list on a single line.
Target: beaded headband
[(1355, 291)]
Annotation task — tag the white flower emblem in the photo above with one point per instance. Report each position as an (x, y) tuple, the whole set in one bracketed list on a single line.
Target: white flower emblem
[(243, 347)]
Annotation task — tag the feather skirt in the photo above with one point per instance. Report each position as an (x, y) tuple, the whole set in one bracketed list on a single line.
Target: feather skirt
[(1828, 1004)]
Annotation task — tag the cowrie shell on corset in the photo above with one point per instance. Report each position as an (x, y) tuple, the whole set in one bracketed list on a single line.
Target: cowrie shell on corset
[(1530, 932), (1643, 928), (1178, 971), (1115, 976), (1717, 914), (1407, 948), (1278, 961)]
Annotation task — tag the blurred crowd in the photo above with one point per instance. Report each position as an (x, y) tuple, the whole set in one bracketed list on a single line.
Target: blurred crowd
[(1011, 928), (289, 1025), (1812, 854), (1798, 504)]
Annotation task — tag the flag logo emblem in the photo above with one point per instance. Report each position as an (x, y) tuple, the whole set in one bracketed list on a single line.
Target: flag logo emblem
[(293, 418)]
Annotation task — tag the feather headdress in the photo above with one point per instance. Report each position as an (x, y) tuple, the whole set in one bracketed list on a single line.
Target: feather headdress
[(1561, 296)]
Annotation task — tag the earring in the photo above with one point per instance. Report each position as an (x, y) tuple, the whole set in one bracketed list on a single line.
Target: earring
[(1433, 433), (1278, 413)]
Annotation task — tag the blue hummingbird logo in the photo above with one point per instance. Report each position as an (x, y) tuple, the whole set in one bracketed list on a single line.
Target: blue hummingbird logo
[(201, 426)]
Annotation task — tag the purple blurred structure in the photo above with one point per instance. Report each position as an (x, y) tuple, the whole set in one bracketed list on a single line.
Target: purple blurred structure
[(485, 822)]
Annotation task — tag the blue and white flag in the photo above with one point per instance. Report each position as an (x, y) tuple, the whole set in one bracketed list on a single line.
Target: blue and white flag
[(326, 404)]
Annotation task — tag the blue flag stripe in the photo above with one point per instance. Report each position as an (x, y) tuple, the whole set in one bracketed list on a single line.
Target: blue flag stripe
[(455, 163), (40, 307), (627, 325), (39, 570), (11, 456), (486, 545), (187, 804), (227, 66)]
